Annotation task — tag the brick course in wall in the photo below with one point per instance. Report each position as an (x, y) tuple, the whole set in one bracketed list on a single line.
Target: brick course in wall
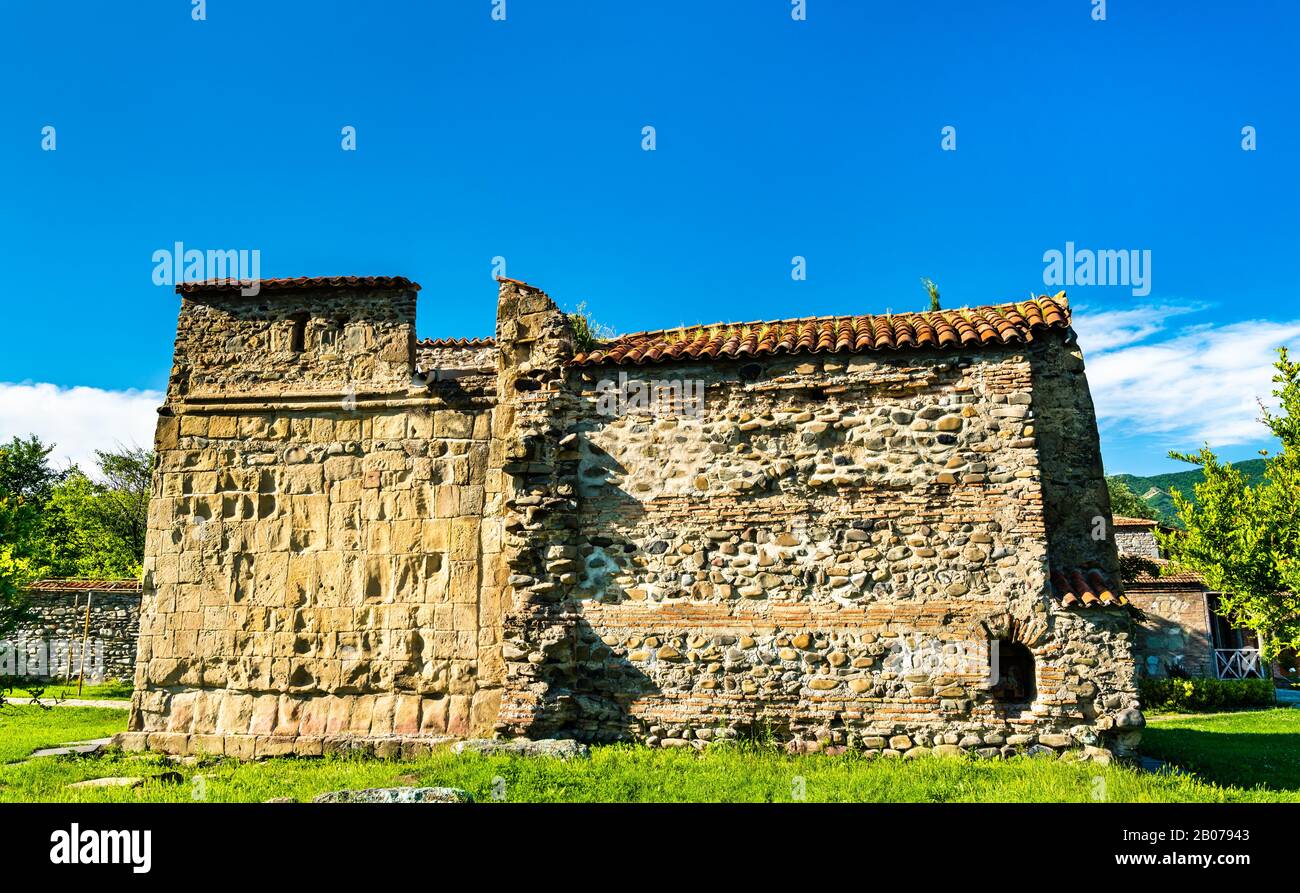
[(374, 541)]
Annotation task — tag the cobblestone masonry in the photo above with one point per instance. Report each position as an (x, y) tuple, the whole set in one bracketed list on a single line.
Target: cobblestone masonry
[(343, 555), (54, 633), (1140, 543)]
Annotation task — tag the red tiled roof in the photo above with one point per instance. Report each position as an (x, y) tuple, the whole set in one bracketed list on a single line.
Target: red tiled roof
[(998, 325), (1125, 521), (1175, 579), (475, 343), (1084, 588), (300, 283), (54, 585)]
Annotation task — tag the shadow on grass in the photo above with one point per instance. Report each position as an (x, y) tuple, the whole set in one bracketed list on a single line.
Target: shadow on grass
[(1248, 760)]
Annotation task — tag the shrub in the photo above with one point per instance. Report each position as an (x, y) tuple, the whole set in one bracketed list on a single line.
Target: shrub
[(1205, 694), (587, 333)]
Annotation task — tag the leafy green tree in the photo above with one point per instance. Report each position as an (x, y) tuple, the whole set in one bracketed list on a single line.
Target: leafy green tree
[(97, 528), (15, 568), (1245, 539), (1124, 502), (25, 471), (26, 482), (63, 523), (78, 538), (124, 502)]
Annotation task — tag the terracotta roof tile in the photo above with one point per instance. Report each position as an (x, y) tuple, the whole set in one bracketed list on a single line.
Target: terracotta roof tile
[(53, 585), (474, 343), (999, 325), (299, 283), (1166, 579), (1085, 588)]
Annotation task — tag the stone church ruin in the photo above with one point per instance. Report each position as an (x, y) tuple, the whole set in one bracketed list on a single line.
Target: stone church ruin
[(871, 531)]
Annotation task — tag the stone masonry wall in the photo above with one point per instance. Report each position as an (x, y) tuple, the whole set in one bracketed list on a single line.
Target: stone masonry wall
[(319, 571), (347, 548), (824, 553), (1175, 632), (55, 632), (1140, 542)]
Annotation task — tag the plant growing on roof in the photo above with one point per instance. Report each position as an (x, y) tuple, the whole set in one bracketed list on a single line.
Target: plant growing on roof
[(933, 291), (587, 333)]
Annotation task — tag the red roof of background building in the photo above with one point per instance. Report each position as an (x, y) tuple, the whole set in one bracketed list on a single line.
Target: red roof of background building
[(992, 326), (457, 342), (1172, 580), (56, 585), (1125, 521)]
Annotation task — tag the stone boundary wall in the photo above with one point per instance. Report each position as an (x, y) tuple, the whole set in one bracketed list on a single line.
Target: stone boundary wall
[(59, 619)]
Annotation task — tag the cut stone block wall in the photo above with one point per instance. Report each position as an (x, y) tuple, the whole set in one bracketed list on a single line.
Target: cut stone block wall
[(319, 564)]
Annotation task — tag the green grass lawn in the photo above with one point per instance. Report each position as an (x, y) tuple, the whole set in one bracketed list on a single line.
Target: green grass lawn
[(25, 729), (1246, 749), (109, 690), (1228, 766)]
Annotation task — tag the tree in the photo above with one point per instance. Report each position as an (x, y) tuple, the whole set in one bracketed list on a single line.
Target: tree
[(25, 470), (26, 482), (77, 537), (97, 528), (933, 290), (1126, 503), (63, 523), (125, 502), (15, 568), (1244, 539)]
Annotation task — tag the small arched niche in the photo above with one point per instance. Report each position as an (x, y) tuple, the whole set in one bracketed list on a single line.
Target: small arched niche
[(1013, 673)]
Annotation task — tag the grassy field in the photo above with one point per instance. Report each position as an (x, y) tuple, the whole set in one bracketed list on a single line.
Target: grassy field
[(1237, 757), (25, 729), (1257, 747), (109, 690)]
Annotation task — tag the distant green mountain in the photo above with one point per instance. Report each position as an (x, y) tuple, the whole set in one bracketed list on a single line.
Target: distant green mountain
[(1154, 490)]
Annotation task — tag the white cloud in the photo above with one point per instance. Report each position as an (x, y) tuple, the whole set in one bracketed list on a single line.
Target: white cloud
[(78, 420), (1197, 384), (1108, 329)]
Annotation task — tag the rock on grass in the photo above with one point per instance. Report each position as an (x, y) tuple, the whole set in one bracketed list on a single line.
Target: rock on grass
[(560, 748), (396, 795), (117, 781)]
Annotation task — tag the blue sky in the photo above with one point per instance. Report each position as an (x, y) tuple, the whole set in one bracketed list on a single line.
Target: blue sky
[(775, 138)]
